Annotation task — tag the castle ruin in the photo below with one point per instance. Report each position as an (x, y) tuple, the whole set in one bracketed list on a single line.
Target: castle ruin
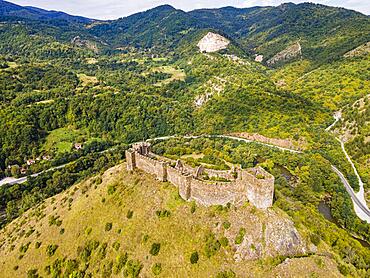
[(206, 186)]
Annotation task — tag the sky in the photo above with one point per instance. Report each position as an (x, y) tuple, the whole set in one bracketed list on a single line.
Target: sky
[(113, 9)]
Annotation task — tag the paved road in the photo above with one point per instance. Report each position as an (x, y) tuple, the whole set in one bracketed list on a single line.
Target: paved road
[(360, 208), (24, 179), (365, 212)]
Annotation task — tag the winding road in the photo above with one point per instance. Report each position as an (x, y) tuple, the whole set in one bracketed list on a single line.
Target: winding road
[(358, 199)]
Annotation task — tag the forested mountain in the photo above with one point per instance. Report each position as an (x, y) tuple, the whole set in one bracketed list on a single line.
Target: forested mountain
[(10, 11), (76, 92), (324, 33)]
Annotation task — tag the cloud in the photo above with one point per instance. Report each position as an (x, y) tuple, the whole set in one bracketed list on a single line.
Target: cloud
[(112, 9)]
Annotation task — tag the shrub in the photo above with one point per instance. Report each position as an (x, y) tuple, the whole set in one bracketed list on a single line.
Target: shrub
[(102, 251), (37, 244), (226, 225), (224, 241), (62, 231), (15, 268), (111, 189), (54, 220), (194, 258), (50, 249), (116, 245), (226, 274), (163, 213), (239, 238), (155, 249), (130, 213), (315, 239), (108, 227), (98, 180), (212, 245), (145, 238), (70, 267), (24, 247), (120, 263), (86, 251), (157, 269), (193, 207), (132, 269), (88, 231), (32, 273)]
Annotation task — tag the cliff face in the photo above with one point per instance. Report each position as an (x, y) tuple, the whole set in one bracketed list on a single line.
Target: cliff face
[(267, 235), (213, 42)]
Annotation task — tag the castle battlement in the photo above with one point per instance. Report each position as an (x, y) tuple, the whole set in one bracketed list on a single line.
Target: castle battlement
[(253, 184)]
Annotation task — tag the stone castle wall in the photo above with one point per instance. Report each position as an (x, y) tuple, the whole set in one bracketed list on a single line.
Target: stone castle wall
[(246, 187), (219, 193)]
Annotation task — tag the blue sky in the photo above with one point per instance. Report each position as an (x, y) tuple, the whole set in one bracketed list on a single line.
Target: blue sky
[(112, 9)]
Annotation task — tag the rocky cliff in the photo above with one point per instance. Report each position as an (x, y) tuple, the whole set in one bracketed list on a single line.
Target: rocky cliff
[(213, 42)]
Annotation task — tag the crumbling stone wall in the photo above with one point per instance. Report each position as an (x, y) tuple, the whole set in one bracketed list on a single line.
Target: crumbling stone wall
[(219, 193), (254, 185), (260, 189)]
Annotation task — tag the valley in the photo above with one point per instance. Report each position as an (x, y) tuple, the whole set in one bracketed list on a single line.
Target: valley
[(279, 91)]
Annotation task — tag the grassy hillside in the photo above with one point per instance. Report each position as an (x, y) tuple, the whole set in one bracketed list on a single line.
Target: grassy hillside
[(109, 225)]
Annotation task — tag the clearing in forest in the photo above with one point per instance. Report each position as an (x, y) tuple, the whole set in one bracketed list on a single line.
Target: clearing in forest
[(177, 74)]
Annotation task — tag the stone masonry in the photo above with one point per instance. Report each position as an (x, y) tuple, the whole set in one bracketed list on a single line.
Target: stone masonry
[(254, 184)]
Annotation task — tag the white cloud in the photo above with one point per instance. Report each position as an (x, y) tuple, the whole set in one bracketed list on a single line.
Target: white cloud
[(112, 9)]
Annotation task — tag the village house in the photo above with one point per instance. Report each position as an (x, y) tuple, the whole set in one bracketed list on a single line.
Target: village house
[(30, 162), (78, 146)]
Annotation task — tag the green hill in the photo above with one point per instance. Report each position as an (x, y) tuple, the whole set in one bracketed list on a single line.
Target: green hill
[(122, 223)]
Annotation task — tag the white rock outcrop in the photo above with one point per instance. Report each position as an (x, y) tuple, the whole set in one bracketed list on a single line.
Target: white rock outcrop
[(288, 53), (212, 42)]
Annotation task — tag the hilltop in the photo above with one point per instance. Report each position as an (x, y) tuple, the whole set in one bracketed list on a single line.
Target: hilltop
[(134, 212)]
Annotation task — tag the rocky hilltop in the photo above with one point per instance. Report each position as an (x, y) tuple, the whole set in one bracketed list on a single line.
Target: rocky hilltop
[(213, 42), (135, 213)]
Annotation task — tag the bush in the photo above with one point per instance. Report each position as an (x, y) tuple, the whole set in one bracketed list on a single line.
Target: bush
[(86, 251), (239, 238), (108, 227), (116, 245), (62, 231), (102, 251), (130, 213), (315, 239), (194, 258), (212, 245), (37, 244), (193, 207), (50, 249), (157, 269), (155, 249), (132, 269), (88, 231), (120, 263), (224, 241), (111, 189), (163, 213), (226, 225), (226, 274), (32, 273), (24, 247)]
